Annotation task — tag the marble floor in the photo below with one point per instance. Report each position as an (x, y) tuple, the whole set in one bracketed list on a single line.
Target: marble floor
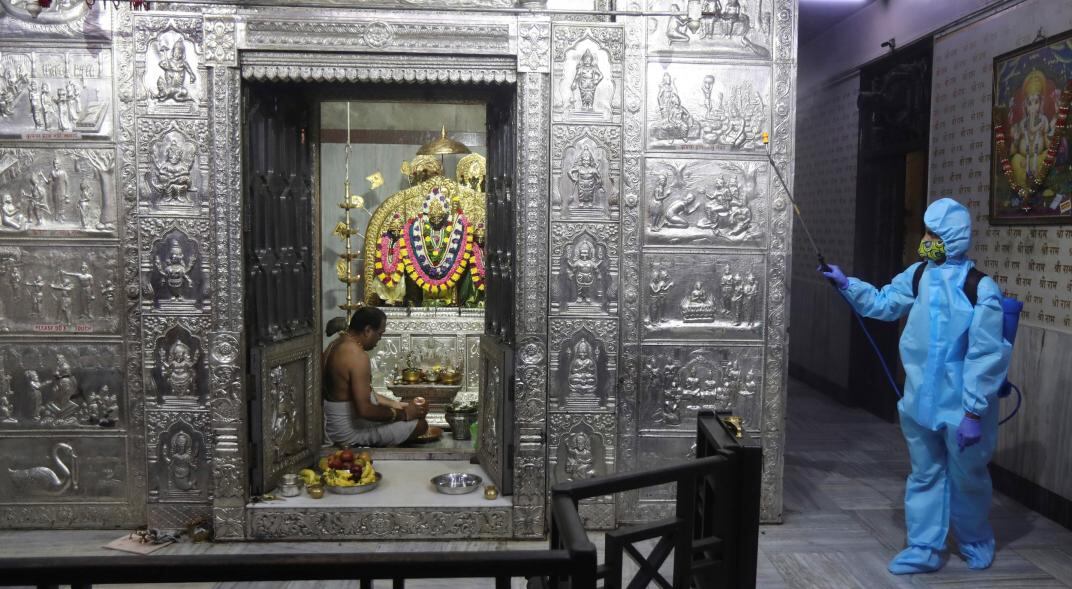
[(844, 477)]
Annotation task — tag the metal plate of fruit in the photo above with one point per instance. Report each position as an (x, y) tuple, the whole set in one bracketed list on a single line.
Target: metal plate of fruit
[(356, 489)]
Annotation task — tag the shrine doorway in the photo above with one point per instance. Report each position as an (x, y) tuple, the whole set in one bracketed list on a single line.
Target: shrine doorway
[(298, 216)]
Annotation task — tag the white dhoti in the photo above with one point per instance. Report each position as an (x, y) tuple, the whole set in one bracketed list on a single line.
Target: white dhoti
[(343, 428)]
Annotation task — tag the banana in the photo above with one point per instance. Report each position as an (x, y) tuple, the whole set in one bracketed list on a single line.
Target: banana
[(368, 475), (308, 476)]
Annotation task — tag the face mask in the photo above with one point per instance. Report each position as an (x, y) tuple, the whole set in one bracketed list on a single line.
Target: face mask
[(932, 250)]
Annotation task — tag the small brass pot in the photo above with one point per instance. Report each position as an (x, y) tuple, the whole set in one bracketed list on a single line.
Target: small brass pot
[(315, 491), (412, 376)]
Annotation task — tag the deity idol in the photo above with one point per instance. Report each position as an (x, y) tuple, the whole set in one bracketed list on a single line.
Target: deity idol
[(172, 84), (175, 268), (424, 245), (170, 177), (585, 271), (1031, 133), (435, 243), (586, 79), (579, 460), (586, 179), (472, 289), (177, 366), (387, 280), (581, 378), (698, 306), (180, 456)]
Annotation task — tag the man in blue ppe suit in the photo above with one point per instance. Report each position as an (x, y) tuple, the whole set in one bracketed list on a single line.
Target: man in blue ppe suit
[(955, 360)]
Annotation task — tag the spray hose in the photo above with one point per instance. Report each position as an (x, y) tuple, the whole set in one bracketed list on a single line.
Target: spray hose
[(1006, 388)]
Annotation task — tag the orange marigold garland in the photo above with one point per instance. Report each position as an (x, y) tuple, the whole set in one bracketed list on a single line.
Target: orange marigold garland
[(476, 261), (390, 261)]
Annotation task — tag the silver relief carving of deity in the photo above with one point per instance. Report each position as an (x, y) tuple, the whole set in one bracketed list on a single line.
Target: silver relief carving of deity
[(587, 74), (61, 386), (676, 383), (584, 272), (174, 168), (706, 203), (57, 191), (179, 368), (50, 289), (693, 296), (181, 463), (176, 276), (52, 94), (581, 446), (586, 174), (172, 75), (728, 28), (584, 364), (711, 108), (287, 413)]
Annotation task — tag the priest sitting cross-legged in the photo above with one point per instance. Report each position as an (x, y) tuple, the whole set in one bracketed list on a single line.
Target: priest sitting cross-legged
[(354, 415)]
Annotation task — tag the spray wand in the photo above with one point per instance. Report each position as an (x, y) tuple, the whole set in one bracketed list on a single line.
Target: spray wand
[(825, 267), (1006, 388)]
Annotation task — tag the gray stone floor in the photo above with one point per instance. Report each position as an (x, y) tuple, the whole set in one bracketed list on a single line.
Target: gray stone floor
[(844, 478)]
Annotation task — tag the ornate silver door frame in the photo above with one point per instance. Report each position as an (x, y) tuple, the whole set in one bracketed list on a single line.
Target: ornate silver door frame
[(283, 46)]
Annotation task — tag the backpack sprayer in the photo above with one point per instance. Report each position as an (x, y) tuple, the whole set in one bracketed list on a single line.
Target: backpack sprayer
[(1010, 307)]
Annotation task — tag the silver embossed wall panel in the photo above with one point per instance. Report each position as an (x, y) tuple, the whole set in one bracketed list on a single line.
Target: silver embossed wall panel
[(720, 108), (584, 268), (693, 202), (598, 126), (169, 90), (59, 288), (714, 231), (170, 78), (695, 296), (60, 92), (72, 449), (677, 382), (586, 171), (66, 191), (583, 364), (586, 192), (587, 74)]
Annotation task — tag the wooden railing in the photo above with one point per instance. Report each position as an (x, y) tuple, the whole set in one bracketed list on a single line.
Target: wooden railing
[(713, 537), (714, 533)]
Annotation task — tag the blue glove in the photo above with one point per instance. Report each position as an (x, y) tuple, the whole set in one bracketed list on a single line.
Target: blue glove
[(836, 276), (969, 432)]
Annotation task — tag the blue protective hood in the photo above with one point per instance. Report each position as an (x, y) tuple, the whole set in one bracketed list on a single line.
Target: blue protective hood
[(951, 221)]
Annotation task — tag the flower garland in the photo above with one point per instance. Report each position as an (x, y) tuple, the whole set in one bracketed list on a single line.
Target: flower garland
[(476, 258), (1051, 151), (439, 275), (390, 261)]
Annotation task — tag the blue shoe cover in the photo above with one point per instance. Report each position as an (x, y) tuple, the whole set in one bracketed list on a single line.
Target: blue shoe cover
[(915, 559), (978, 554)]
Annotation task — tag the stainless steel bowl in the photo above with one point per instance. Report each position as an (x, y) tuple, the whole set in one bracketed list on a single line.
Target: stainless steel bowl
[(355, 489), (456, 483)]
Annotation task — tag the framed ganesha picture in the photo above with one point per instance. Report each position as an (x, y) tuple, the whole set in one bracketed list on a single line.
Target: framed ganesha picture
[(1031, 153)]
